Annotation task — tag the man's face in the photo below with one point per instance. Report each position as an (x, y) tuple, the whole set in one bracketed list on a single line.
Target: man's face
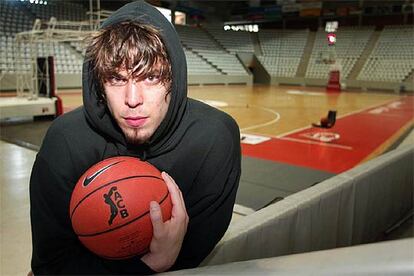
[(138, 106)]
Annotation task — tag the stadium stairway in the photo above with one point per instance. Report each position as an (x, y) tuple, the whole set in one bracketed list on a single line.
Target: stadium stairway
[(410, 77), (215, 40), (307, 51), (256, 44), (364, 55)]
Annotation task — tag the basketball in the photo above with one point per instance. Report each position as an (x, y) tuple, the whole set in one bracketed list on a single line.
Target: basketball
[(109, 206)]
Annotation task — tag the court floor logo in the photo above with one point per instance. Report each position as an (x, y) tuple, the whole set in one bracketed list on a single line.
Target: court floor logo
[(325, 137)]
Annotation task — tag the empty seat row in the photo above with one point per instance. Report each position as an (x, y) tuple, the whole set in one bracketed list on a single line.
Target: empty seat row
[(392, 58)]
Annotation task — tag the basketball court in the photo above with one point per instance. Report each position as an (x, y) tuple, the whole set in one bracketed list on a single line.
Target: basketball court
[(282, 152)]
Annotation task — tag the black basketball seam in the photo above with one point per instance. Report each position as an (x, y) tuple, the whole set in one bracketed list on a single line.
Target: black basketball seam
[(97, 165), (109, 183), (89, 179), (122, 225), (124, 256)]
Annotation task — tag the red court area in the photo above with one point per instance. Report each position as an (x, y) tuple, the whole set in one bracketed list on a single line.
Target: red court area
[(354, 138)]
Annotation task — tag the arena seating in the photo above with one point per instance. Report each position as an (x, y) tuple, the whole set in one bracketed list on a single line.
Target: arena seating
[(349, 46), (233, 42), (392, 59), (13, 19), (196, 39), (289, 43), (225, 62), (197, 65), (62, 11), (207, 51), (212, 51), (78, 46), (67, 61), (280, 66), (6, 54), (19, 17), (282, 51)]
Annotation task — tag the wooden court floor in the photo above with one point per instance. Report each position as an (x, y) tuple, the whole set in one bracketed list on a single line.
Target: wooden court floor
[(271, 110), (275, 111)]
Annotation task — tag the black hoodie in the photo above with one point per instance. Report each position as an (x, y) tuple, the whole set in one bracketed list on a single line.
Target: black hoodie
[(196, 144)]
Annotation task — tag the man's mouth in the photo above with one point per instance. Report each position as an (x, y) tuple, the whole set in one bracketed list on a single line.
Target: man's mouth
[(135, 121)]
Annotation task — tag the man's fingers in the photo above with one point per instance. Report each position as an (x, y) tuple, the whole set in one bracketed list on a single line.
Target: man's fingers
[(156, 217), (172, 188), (168, 178), (177, 199), (168, 236), (178, 188)]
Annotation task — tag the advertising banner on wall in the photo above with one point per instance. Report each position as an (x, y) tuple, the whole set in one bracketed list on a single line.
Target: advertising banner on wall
[(291, 8), (310, 8)]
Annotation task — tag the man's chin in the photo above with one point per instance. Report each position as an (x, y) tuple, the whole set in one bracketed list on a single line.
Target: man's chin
[(135, 138)]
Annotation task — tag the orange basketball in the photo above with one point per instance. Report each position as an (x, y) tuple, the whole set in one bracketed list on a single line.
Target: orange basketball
[(109, 207)]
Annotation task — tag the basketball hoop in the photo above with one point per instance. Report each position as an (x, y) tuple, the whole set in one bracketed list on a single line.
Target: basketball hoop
[(333, 84)]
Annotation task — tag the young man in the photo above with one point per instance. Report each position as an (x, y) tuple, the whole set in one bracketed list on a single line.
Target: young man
[(135, 104)]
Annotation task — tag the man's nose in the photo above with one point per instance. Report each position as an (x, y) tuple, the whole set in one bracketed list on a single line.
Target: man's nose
[(134, 96)]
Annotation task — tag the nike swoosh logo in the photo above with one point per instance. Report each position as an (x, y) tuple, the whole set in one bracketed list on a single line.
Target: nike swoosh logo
[(88, 180)]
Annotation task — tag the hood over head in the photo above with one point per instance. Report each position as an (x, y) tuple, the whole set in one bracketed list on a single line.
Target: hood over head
[(98, 114)]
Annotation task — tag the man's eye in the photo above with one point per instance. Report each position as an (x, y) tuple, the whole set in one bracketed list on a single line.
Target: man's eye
[(115, 80), (153, 79)]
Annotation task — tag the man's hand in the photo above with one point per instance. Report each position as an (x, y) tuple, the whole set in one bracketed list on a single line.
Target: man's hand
[(167, 236)]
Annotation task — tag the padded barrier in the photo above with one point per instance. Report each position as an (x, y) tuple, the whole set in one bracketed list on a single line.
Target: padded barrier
[(352, 208), (383, 258)]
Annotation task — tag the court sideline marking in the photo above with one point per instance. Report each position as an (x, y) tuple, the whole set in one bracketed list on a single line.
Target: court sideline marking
[(273, 121), (356, 130)]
